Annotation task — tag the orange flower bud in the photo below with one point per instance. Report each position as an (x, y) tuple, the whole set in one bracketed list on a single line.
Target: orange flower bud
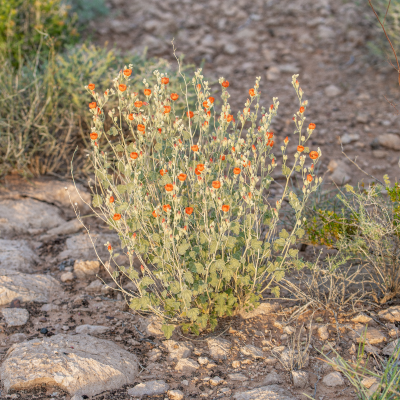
[(130, 117), (195, 148), (141, 128), (166, 207), (154, 214), (190, 114), (309, 178), (134, 155), (211, 100), (311, 126), (112, 199), (169, 187), (138, 103), (93, 105), (301, 110), (109, 247), (252, 92), (200, 167), (182, 177), (300, 148), (167, 109), (222, 157)]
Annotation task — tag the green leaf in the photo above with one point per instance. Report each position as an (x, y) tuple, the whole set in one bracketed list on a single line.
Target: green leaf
[(300, 233), (230, 243), (279, 275), (167, 330), (146, 281), (235, 227), (118, 148), (276, 291), (121, 189), (256, 244), (193, 314), (202, 320), (219, 264), (213, 246), (97, 200), (293, 253), (186, 295), (183, 247), (158, 146), (200, 268), (188, 277), (284, 234)]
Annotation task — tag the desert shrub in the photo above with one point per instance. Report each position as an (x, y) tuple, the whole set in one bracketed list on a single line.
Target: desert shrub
[(87, 10), (187, 194), (42, 113), (24, 24)]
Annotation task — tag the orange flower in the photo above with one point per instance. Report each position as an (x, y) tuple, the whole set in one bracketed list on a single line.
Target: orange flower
[(165, 80), (197, 172), (127, 72), (117, 217), (147, 92), (250, 195), (91, 86), (253, 147), (229, 118), (130, 117), (300, 148), (141, 128), (301, 110), (122, 87), (163, 172), (225, 208), (109, 247), (211, 100), (216, 184), (309, 178), (138, 103), (205, 104), (311, 126), (94, 136), (270, 135), (236, 171), (167, 109), (233, 148), (189, 210), (166, 207), (112, 199), (134, 155), (198, 86), (154, 214), (169, 187), (252, 92), (195, 148), (314, 155), (174, 96), (93, 105), (200, 167), (222, 157), (225, 84), (190, 114), (286, 140), (182, 177), (271, 143), (134, 235)]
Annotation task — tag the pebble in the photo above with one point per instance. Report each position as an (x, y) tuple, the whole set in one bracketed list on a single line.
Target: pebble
[(349, 138), (186, 366), (84, 269), (391, 348), (333, 379), (379, 154), (216, 381), (392, 314), (372, 336), (361, 319), (323, 333), (272, 378), (176, 350), (300, 379), (235, 364), (203, 360), (253, 351), (67, 277), (389, 140), (17, 338), (332, 91), (238, 377), (15, 316), (43, 331), (218, 348), (149, 388), (175, 394)]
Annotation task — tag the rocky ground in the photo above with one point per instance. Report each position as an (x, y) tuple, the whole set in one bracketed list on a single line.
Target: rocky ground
[(66, 334)]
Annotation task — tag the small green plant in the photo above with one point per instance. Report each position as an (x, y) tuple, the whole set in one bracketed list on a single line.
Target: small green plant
[(187, 194), (87, 10)]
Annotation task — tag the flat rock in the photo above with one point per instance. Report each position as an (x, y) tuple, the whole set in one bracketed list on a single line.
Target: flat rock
[(219, 348), (273, 74), (68, 228), (300, 379), (372, 335), (22, 216), (84, 269), (175, 395), (272, 378), (17, 338), (270, 392), (362, 118), (391, 347), (150, 388), (323, 333), (253, 351), (151, 326), (238, 377), (15, 316), (361, 319), (333, 379), (186, 366), (340, 177), (379, 154), (392, 314), (67, 277), (348, 138), (49, 307), (91, 329), (16, 285), (332, 91), (79, 364), (17, 255), (97, 286), (262, 309), (177, 350), (389, 140)]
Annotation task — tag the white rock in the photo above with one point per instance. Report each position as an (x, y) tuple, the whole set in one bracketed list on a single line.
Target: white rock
[(326, 34), (271, 392), (17, 255), (186, 366), (177, 350), (253, 351), (361, 319), (379, 154), (323, 333), (16, 285), (392, 314), (289, 68), (91, 329), (67, 277), (238, 377), (363, 118), (68, 228), (203, 360), (340, 177), (349, 138), (76, 397), (372, 335), (333, 379), (332, 91), (49, 307), (272, 378), (175, 395), (230, 48), (154, 354), (262, 309), (391, 348), (151, 326), (219, 348), (216, 381), (389, 140), (95, 287), (27, 216), (150, 388), (80, 364), (300, 379), (273, 74), (84, 269), (17, 338), (15, 316)]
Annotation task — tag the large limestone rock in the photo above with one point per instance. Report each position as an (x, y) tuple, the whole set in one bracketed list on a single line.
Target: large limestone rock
[(16, 285), (30, 216), (262, 309), (17, 255), (271, 392), (80, 365)]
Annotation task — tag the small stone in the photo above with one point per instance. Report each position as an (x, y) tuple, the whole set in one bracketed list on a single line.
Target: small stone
[(177, 350), (17, 338), (235, 364), (372, 336), (270, 392), (238, 377), (253, 351), (65, 328), (15, 316), (392, 314), (186, 366), (361, 319), (289, 330), (273, 74), (150, 388), (84, 269), (49, 307), (300, 379), (43, 331), (333, 379), (218, 348), (262, 309), (372, 349), (76, 397), (67, 277), (289, 68), (332, 91), (203, 360), (349, 138), (379, 154), (154, 354), (175, 394), (91, 329), (340, 177), (185, 382), (272, 378), (390, 141), (151, 326), (391, 348), (230, 48), (363, 118), (216, 381), (323, 333)]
